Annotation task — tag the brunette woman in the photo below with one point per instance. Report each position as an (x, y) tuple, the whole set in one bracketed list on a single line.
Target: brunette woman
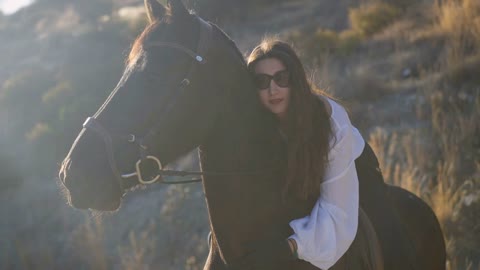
[(328, 160)]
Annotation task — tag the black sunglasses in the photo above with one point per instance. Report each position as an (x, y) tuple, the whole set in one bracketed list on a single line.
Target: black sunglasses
[(281, 78)]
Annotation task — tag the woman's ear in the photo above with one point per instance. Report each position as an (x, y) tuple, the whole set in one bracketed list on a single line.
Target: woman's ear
[(155, 10), (178, 8)]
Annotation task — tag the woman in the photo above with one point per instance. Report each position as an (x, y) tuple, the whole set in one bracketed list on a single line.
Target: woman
[(327, 159)]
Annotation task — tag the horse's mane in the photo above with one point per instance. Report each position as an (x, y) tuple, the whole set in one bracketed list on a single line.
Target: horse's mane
[(137, 44), (232, 44)]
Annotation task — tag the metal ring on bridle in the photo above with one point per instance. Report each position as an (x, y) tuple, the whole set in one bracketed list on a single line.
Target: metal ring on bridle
[(139, 172), (132, 138)]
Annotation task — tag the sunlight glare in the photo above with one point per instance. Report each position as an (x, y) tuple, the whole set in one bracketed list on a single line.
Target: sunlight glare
[(11, 6)]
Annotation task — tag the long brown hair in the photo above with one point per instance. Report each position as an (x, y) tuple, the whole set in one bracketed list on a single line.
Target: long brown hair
[(308, 126)]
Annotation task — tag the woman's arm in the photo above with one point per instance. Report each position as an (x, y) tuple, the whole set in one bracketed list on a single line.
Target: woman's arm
[(326, 234)]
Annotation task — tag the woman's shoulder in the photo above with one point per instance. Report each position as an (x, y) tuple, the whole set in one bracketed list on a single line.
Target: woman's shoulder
[(338, 114), (326, 102)]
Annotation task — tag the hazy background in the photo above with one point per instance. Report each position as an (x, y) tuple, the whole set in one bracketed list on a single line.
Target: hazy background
[(11, 6), (407, 70)]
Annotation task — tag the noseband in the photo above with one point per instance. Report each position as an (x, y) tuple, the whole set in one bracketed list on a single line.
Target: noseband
[(199, 58)]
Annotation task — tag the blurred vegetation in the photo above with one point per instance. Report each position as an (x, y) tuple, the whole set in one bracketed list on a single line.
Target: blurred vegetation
[(325, 42), (365, 20), (438, 158), (45, 106), (371, 18), (229, 10), (11, 176), (442, 170)]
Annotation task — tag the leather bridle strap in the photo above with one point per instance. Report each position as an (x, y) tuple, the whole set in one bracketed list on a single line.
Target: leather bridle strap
[(206, 34), (186, 50), (92, 123)]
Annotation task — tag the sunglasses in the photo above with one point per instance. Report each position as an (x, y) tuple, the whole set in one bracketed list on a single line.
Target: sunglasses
[(281, 78)]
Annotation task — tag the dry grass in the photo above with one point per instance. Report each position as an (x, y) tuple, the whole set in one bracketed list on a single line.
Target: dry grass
[(372, 17), (365, 20), (134, 256), (441, 164), (459, 20), (89, 239), (439, 159), (28, 259), (465, 71), (318, 45)]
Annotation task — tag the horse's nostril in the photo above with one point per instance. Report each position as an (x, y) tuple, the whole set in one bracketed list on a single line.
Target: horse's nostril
[(78, 202), (83, 201)]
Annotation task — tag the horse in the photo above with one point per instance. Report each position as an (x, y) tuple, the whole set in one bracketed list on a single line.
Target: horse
[(186, 85)]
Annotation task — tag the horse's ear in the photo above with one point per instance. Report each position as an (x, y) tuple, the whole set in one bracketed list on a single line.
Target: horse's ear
[(178, 8), (155, 10)]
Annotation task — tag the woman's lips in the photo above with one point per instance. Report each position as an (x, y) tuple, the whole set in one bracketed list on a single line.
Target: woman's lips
[(275, 101)]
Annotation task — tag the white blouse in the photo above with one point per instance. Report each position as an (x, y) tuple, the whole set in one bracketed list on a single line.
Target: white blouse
[(326, 234)]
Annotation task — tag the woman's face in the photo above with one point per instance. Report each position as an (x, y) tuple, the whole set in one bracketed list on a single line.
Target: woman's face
[(272, 80)]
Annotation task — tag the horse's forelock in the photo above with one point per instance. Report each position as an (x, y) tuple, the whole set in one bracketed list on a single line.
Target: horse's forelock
[(137, 44), (136, 50)]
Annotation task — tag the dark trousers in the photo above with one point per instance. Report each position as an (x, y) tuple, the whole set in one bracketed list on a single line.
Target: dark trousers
[(397, 248)]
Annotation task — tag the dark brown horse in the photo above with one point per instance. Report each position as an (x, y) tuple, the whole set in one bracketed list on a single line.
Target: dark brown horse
[(186, 85)]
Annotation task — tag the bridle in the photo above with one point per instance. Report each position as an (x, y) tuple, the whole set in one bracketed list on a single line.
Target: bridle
[(199, 58)]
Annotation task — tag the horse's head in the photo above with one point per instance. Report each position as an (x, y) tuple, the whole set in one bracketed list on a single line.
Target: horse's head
[(170, 95)]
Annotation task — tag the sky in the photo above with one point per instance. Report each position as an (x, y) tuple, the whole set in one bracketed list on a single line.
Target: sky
[(10, 6)]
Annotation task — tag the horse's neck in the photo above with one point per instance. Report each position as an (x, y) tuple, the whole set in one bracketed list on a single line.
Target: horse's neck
[(243, 139), (239, 143)]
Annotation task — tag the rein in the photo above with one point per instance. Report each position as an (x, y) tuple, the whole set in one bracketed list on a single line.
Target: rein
[(125, 180), (161, 172)]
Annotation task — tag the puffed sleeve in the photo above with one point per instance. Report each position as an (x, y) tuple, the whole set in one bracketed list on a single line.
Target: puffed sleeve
[(326, 234)]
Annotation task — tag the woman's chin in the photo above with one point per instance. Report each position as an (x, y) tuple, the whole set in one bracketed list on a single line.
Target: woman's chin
[(279, 113)]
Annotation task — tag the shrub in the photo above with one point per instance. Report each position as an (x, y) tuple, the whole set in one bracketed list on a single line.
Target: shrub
[(403, 4), (10, 175), (372, 18), (229, 10), (323, 41), (465, 71), (38, 131), (348, 41), (459, 20), (439, 163)]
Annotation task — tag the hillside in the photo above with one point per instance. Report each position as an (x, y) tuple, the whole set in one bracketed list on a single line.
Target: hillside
[(409, 79)]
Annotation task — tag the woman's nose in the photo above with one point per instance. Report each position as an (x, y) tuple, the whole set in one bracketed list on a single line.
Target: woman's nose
[(273, 87)]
